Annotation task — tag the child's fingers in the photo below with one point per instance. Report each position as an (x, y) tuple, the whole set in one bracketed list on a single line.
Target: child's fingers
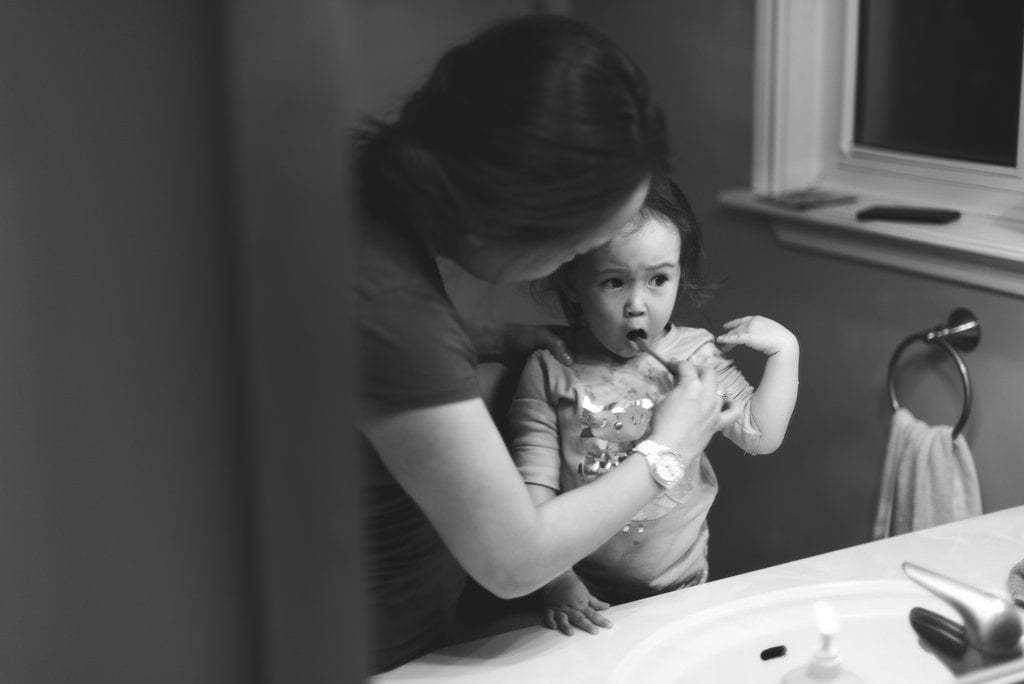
[(733, 338), (736, 321), (588, 619), (562, 620), (598, 619), (584, 622), (738, 330), (749, 340), (598, 604)]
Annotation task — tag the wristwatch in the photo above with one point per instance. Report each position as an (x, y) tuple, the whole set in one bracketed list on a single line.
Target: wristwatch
[(666, 465)]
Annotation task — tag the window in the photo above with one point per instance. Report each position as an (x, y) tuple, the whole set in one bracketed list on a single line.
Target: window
[(931, 102), (896, 102), (938, 79)]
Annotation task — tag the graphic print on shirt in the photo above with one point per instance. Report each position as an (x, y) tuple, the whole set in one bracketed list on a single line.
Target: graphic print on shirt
[(616, 407), (610, 431)]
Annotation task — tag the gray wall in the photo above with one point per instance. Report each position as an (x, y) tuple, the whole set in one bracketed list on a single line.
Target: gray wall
[(175, 499), (122, 522), (299, 80), (291, 84), (818, 492)]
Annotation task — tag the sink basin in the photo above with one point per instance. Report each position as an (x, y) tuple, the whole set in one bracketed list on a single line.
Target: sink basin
[(760, 639)]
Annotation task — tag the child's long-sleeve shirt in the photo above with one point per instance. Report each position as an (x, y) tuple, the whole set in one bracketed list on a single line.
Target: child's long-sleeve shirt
[(571, 424)]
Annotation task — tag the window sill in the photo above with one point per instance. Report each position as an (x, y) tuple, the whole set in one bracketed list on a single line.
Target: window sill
[(975, 250)]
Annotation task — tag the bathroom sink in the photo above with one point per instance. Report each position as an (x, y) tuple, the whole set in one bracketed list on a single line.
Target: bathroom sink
[(760, 639)]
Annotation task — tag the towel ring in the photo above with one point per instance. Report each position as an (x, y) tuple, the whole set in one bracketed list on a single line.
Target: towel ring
[(964, 332)]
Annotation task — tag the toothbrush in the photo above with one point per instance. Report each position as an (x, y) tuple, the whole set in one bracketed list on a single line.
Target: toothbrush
[(639, 339)]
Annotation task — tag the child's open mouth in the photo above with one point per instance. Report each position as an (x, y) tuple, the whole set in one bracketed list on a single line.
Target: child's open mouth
[(638, 337), (636, 334)]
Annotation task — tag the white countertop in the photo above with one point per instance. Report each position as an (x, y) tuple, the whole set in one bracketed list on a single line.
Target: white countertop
[(979, 551)]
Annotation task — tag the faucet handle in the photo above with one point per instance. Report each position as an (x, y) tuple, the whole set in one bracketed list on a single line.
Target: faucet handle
[(991, 623)]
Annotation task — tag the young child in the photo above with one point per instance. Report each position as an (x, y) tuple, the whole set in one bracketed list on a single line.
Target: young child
[(572, 423)]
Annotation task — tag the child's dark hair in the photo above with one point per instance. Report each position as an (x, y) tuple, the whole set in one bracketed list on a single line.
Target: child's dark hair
[(538, 128), (664, 200)]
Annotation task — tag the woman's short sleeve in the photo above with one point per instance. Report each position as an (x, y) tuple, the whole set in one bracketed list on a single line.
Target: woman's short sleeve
[(414, 353)]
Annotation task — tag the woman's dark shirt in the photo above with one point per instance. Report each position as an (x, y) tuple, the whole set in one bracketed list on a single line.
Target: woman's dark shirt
[(414, 354)]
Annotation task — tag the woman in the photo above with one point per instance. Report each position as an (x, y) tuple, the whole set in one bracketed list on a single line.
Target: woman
[(528, 144)]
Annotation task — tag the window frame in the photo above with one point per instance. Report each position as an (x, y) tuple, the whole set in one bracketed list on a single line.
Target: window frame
[(805, 87), (801, 138), (995, 186)]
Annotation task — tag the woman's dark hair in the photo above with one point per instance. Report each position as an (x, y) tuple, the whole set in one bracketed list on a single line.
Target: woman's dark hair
[(538, 127), (664, 200)]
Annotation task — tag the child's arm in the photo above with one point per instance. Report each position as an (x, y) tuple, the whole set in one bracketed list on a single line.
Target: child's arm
[(772, 403)]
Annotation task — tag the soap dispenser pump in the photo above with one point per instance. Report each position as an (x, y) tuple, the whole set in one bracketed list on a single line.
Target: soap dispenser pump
[(826, 665)]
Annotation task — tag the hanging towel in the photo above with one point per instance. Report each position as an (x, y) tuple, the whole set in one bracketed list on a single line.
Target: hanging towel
[(928, 478)]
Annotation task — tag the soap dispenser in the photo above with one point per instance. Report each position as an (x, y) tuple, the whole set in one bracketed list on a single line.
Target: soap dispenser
[(826, 665)]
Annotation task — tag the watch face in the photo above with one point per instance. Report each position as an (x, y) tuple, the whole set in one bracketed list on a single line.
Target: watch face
[(668, 468)]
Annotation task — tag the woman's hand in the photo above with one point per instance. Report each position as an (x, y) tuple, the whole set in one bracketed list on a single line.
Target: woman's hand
[(510, 343), (692, 411), (522, 340), (760, 334), (568, 603)]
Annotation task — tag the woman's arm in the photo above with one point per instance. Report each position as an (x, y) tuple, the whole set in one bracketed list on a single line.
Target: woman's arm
[(568, 602), (452, 461)]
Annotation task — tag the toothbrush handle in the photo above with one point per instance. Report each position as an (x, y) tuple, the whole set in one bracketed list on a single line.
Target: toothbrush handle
[(641, 343), (660, 359)]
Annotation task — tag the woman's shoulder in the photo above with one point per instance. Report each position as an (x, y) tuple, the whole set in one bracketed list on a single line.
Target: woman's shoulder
[(414, 349), (391, 262)]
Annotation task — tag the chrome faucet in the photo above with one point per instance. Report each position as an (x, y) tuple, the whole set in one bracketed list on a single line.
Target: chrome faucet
[(992, 627)]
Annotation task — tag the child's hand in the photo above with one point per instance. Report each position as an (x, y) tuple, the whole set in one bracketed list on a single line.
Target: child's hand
[(567, 602), (759, 333)]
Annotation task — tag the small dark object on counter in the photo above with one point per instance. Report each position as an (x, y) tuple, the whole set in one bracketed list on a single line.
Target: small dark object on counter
[(773, 652)]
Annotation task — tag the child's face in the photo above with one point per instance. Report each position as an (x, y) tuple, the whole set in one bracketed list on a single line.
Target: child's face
[(630, 282)]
